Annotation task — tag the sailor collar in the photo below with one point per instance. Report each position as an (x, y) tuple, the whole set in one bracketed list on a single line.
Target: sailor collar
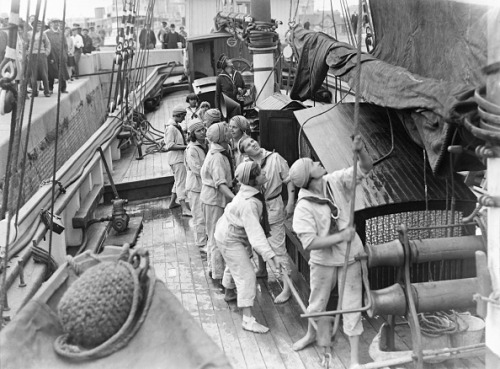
[(247, 191)]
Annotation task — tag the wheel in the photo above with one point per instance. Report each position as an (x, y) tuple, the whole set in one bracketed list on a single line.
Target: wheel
[(241, 65)]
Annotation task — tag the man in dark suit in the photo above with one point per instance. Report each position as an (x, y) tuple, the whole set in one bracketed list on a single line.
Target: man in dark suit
[(172, 39)]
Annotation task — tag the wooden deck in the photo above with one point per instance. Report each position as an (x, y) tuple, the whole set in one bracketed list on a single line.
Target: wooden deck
[(153, 166), (178, 262)]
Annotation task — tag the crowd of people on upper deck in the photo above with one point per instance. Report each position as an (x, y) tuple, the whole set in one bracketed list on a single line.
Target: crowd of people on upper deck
[(233, 189), (52, 47), (167, 36)]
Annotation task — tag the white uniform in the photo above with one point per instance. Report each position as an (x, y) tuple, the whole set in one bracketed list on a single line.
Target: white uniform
[(237, 229), (216, 170), (311, 220), (175, 159), (195, 156)]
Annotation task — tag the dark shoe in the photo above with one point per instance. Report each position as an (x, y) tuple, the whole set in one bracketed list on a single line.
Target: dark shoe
[(64, 92), (47, 94), (230, 295)]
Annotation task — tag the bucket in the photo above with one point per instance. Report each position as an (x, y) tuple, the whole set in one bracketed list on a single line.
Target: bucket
[(435, 343), (473, 333)]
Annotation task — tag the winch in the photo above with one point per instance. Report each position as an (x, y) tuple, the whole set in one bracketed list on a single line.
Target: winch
[(119, 217)]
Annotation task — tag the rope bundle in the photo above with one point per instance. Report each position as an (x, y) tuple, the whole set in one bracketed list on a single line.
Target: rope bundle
[(105, 307), (439, 323), (97, 305)]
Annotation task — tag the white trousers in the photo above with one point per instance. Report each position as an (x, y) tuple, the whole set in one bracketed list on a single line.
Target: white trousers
[(216, 264), (198, 218), (323, 280)]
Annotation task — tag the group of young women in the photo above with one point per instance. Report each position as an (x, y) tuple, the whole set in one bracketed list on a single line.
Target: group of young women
[(234, 189)]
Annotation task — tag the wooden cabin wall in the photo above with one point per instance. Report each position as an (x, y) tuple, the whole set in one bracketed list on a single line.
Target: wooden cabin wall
[(203, 58)]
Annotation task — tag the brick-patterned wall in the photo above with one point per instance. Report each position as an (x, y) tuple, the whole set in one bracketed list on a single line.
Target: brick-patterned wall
[(74, 130)]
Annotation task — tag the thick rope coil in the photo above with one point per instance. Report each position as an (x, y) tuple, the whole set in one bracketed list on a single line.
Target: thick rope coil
[(104, 308)]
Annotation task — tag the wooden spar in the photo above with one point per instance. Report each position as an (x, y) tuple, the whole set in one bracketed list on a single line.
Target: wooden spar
[(493, 168)]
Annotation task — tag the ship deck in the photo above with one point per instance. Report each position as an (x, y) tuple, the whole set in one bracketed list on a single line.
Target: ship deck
[(178, 262)]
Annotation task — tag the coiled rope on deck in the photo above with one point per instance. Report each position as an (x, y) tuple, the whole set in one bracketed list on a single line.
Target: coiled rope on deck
[(438, 323)]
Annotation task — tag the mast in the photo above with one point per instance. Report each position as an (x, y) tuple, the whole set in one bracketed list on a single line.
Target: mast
[(263, 41), (493, 167)]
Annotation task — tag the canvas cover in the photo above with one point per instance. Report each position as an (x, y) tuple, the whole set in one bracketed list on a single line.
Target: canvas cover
[(168, 338), (426, 105)]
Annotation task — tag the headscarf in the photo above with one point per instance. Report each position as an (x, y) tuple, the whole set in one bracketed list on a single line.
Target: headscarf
[(241, 122), (216, 133), (178, 109), (300, 172), (243, 172), (243, 176), (195, 124), (211, 116)]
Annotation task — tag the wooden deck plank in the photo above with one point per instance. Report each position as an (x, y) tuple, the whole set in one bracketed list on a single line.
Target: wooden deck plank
[(298, 326), (178, 261)]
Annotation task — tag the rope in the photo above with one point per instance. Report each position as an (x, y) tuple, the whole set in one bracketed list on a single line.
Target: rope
[(354, 171), (317, 115), (54, 168), (143, 289), (439, 323)]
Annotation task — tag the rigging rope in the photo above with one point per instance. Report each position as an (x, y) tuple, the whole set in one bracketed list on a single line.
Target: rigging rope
[(354, 170), (54, 168)]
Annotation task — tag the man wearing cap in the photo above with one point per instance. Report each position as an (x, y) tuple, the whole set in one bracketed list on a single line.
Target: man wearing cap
[(162, 33), (173, 38), (78, 42), (96, 39), (38, 60), (58, 46), (175, 144), (183, 32), (87, 41), (147, 38), (321, 221)]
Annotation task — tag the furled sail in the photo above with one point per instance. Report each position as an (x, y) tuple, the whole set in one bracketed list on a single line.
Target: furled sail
[(430, 108)]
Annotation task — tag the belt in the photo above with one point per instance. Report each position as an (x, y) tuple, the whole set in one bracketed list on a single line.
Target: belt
[(274, 197)]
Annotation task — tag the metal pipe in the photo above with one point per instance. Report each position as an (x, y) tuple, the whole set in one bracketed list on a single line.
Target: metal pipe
[(450, 353), (358, 310), (441, 226), (298, 299)]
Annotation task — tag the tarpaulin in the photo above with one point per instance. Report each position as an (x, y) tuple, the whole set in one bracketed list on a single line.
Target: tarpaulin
[(168, 338), (445, 40), (424, 103)]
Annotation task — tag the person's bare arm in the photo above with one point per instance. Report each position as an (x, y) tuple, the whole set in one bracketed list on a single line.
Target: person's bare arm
[(332, 239)]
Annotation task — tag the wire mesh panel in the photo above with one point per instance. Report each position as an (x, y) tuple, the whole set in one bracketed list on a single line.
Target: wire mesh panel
[(382, 229)]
